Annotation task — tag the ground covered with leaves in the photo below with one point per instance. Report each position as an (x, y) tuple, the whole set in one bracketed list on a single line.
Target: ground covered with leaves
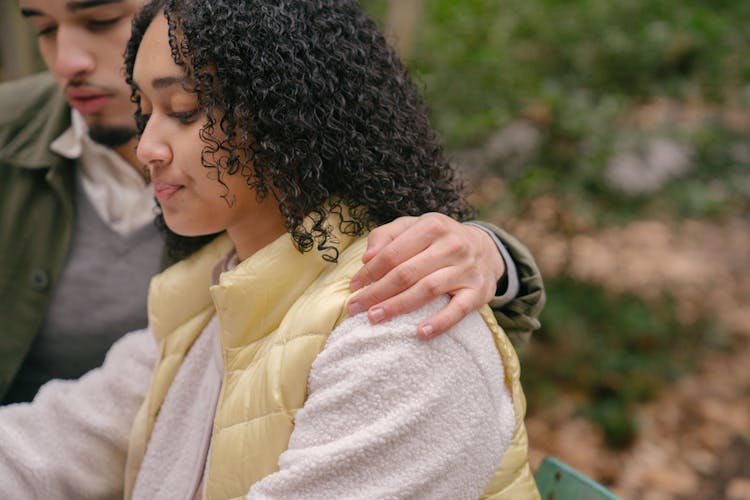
[(640, 375)]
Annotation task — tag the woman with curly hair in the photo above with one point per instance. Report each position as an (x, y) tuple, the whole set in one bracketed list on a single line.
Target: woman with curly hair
[(277, 133)]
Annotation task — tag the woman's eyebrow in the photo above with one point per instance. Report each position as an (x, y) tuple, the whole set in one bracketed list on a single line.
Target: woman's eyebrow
[(166, 81)]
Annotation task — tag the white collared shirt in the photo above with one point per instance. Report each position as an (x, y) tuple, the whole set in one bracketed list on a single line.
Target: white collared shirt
[(118, 193)]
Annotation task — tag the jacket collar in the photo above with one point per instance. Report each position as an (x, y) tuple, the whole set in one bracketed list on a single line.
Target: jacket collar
[(43, 117)]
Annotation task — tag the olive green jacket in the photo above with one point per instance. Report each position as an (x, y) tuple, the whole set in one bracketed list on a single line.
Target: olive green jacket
[(37, 205), (37, 211), (520, 317)]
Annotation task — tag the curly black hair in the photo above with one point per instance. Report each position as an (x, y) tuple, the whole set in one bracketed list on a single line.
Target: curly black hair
[(314, 108)]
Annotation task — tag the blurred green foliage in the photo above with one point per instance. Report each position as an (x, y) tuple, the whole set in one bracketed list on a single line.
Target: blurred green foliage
[(483, 61), (576, 70)]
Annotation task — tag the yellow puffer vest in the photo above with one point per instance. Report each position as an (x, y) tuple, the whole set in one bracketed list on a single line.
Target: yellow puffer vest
[(275, 310)]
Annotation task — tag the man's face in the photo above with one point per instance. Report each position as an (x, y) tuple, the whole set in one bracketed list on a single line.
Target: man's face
[(82, 42)]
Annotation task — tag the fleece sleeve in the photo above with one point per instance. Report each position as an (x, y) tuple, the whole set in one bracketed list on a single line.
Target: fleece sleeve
[(70, 442), (391, 416)]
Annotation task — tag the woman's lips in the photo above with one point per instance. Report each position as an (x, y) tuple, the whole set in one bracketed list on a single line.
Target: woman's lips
[(164, 191)]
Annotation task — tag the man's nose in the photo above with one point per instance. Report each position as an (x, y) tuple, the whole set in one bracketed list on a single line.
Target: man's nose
[(73, 58)]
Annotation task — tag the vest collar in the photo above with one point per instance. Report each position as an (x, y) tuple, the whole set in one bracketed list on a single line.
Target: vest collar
[(181, 292), (263, 287), (250, 299)]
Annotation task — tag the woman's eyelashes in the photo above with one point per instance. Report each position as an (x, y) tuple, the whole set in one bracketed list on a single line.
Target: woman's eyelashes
[(185, 117)]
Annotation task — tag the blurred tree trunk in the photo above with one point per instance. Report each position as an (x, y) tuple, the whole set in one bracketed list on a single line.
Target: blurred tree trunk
[(18, 55), (401, 24)]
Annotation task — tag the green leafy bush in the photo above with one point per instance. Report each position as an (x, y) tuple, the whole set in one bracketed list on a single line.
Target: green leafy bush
[(609, 352)]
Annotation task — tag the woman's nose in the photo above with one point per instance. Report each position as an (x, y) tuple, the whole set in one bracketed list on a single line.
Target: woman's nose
[(152, 150)]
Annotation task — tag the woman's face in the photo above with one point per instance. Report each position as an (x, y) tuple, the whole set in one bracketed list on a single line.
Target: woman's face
[(192, 199)]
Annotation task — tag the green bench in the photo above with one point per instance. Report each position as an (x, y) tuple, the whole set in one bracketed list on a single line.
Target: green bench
[(558, 481)]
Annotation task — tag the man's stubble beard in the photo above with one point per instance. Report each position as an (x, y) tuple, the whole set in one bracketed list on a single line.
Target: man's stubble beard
[(111, 136)]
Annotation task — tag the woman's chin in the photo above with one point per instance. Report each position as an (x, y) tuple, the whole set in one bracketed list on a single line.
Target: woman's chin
[(189, 230)]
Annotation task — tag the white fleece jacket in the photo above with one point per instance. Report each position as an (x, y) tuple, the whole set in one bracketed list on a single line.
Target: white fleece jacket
[(388, 416), (71, 441)]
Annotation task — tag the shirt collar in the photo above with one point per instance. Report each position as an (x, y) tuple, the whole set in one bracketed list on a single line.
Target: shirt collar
[(75, 143), (70, 143), (121, 197)]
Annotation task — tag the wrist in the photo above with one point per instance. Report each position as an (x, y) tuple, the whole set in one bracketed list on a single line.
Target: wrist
[(490, 250), (504, 269)]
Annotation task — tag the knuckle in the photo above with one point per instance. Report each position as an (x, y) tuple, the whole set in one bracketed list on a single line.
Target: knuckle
[(475, 278), (404, 276), (367, 273), (394, 307), (461, 307), (375, 232), (458, 246), (364, 297), (433, 287), (372, 295), (390, 258), (434, 225)]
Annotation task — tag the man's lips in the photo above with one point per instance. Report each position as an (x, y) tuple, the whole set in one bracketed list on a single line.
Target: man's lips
[(87, 100), (164, 191)]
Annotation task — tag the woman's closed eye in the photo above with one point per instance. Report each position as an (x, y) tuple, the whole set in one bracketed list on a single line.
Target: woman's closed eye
[(185, 117)]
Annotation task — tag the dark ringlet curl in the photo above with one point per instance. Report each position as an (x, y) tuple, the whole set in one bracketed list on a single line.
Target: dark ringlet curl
[(313, 107)]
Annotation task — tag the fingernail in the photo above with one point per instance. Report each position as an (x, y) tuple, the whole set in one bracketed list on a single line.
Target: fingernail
[(355, 308), (355, 285), (425, 331), (377, 315)]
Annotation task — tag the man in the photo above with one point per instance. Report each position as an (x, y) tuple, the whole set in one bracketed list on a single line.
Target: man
[(77, 246)]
